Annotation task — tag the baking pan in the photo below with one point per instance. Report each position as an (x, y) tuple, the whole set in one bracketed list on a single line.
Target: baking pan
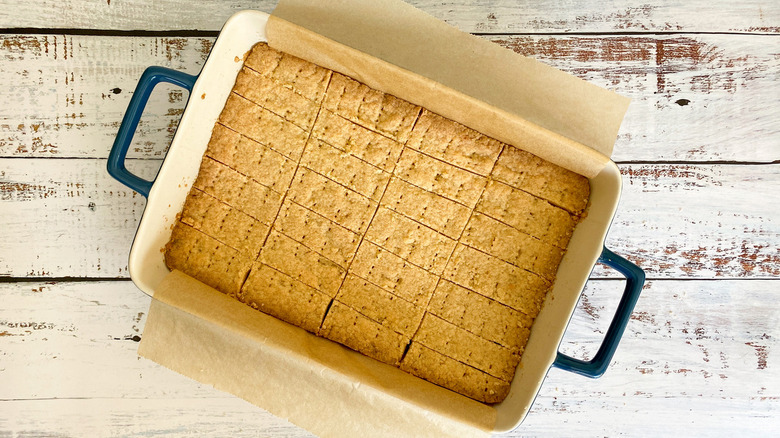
[(207, 95)]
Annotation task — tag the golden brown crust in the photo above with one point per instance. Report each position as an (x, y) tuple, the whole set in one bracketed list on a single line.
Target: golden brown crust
[(380, 225)]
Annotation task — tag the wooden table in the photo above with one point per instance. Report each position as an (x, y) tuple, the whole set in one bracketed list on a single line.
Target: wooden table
[(700, 212)]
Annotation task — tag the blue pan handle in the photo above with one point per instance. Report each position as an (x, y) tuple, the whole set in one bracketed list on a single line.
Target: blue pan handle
[(116, 158), (635, 280)]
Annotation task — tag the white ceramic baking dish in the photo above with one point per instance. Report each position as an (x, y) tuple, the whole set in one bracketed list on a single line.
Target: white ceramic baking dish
[(166, 193)]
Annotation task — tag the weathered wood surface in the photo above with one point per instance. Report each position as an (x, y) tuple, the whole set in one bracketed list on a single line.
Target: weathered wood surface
[(496, 16), (70, 218), (700, 212), (695, 97), (698, 354)]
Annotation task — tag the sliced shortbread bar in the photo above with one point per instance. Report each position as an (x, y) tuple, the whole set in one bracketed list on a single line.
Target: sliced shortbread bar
[(463, 346), (336, 202), (224, 223), (534, 175), (480, 315), (370, 108), (263, 126), (238, 191), (277, 294), (410, 240), (441, 214), (255, 160), (349, 327), (310, 80), (497, 279), (206, 259), (499, 239), (318, 233), (380, 305), (393, 273), (527, 213), (301, 263), (276, 97), (346, 169), (361, 142), (454, 143), (435, 367), (440, 177)]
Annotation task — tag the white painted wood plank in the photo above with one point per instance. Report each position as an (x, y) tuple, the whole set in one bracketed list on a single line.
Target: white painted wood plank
[(696, 97), (67, 217), (698, 358), (70, 218), (497, 16), (71, 92), (704, 221)]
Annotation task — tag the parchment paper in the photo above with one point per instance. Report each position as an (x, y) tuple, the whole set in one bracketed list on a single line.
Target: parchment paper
[(317, 384), (312, 382), (468, 79)]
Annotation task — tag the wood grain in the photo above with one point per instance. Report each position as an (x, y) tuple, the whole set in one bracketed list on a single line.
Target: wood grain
[(496, 16), (700, 354), (694, 96), (699, 212), (672, 219), (71, 92), (67, 218)]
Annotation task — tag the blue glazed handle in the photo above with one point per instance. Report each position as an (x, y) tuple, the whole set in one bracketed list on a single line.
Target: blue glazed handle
[(635, 280), (116, 158)]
